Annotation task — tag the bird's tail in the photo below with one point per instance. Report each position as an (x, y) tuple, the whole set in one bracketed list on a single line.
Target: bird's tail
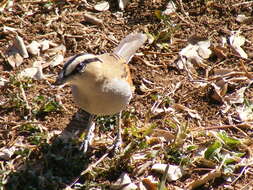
[(129, 45)]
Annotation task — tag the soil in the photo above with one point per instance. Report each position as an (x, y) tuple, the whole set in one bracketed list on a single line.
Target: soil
[(51, 160)]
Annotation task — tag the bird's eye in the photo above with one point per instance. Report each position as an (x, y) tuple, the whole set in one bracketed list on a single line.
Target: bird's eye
[(80, 66)]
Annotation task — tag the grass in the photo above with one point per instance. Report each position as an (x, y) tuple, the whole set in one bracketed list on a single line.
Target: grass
[(215, 150)]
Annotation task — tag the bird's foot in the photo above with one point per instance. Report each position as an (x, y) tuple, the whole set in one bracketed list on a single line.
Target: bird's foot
[(117, 145), (88, 138)]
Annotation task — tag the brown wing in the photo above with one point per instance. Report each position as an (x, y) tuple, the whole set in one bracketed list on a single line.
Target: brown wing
[(128, 76), (115, 66)]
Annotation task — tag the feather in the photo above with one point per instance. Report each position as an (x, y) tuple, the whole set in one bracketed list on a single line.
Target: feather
[(129, 45)]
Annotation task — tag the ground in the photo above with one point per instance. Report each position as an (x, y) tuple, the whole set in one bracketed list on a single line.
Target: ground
[(195, 126)]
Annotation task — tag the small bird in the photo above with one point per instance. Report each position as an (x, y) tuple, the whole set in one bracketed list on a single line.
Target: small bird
[(102, 84)]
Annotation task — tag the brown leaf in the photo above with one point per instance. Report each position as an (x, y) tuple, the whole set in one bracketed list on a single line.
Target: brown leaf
[(102, 6), (204, 179), (14, 59), (149, 185), (220, 52)]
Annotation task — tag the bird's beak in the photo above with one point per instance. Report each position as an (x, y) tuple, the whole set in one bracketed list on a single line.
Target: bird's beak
[(60, 79)]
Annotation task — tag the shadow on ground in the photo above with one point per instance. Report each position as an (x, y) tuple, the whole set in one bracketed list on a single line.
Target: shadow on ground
[(59, 163)]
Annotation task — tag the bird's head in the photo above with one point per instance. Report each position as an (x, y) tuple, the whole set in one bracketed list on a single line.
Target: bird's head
[(74, 67)]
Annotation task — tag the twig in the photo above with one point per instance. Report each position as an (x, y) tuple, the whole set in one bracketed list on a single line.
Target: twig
[(87, 5), (204, 179), (24, 98), (20, 45), (163, 180), (250, 76), (243, 3), (93, 20), (159, 53), (230, 74), (90, 167), (240, 175), (147, 62), (238, 56), (18, 123), (183, 11), (241, 125), (182, 18), (161, 99), (247, 185), (76, 36)]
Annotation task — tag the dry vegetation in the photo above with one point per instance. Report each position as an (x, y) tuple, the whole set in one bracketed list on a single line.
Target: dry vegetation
[(191, 113)]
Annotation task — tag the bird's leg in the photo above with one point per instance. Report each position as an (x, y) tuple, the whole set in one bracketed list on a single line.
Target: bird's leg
[(90, 134), (118, 141)]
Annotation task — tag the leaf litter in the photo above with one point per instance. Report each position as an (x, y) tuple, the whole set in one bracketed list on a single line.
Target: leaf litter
[(191, 108)]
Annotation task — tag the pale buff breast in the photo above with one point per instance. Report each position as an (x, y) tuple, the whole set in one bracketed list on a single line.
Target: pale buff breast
[(110, 99), (103, 89)]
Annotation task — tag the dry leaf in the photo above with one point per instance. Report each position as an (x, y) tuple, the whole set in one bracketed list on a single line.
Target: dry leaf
[(170, 8), (245, 112), (163, 133), (142, 168), (201, 161), (192, 113), (225, 107), (180, 63), (61, 49), (20, 45), (122, 4), (190, 52), (149, 183), (220, 90), (34, 48), (222, 72), (203, 49), (57, 60), (244, 19), (6, 153), (124, 183), (204, 179), (139, 156), (237, 96), (14, 58), (194, 53), (220, 52), (16, 52), (102, 6), (92, 19), (32, 72), (144, 88), (44, 44), (236, 41), (151, 141), (174, 172), (3, 81), (5, 4), (9, 29), (241, 18)]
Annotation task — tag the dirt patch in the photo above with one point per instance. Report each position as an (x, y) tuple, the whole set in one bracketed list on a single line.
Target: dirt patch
[(46, 135)]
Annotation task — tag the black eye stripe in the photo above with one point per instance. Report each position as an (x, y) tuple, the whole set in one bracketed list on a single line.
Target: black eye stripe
[(87, 61), (70, 61), (83, 64), (80, 66)]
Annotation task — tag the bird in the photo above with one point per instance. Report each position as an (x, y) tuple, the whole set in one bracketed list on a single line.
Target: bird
[(101, 84)]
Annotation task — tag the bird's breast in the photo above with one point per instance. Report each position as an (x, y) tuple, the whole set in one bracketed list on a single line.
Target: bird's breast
[(103, 98)]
